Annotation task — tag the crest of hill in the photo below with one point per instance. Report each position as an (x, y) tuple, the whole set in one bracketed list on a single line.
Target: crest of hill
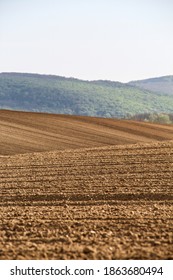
[(60, 95), (160, 85), (23, 132)]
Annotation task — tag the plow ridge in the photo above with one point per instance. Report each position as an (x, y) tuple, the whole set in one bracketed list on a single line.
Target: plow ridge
[(23, 132), (115, 200)]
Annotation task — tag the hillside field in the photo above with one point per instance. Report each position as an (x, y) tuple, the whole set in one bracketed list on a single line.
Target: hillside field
[(84, 197), (22, 132)]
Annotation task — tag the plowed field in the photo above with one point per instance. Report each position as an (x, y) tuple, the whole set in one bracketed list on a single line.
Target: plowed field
[(113, 202), (22, 132)]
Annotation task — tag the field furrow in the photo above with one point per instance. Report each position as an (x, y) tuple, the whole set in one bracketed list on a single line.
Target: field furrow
[(112, 202)]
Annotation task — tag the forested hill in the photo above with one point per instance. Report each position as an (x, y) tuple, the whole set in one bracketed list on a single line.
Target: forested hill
[(55, 94), (158, 85)]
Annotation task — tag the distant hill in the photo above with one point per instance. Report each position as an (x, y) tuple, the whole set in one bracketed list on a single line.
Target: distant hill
[(161, 85), (55, 94), (22, 132)]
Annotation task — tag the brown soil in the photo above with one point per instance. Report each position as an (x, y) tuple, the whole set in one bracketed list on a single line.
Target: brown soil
[(22, 132), (113, 202)]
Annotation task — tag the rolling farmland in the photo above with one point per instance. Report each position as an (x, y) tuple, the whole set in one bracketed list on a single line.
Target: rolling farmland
[(98, 201), (23, 132)]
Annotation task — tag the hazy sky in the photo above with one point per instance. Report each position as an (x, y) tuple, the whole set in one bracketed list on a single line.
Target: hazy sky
[(89, 39)]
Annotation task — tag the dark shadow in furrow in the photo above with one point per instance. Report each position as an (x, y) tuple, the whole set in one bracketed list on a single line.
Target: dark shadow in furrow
[(79, 197)]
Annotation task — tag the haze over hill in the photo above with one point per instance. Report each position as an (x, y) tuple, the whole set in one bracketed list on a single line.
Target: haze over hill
[(158, 85), (23, 132), (55, 94)]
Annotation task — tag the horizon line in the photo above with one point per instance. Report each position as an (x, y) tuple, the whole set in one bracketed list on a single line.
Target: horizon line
[(85, 80)]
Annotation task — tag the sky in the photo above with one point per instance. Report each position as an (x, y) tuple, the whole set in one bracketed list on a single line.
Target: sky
[(118, 40)]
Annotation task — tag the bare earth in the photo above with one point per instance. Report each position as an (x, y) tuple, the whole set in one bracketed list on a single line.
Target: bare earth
[(109, 202), (37, 132)]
